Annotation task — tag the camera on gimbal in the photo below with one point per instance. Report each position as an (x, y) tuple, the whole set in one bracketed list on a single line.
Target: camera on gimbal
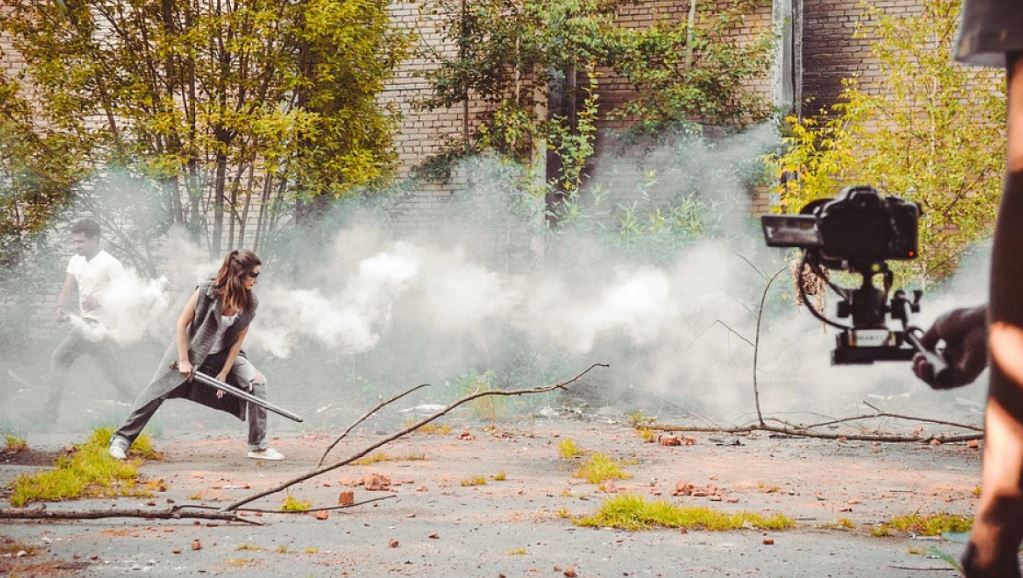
[(858, 231)]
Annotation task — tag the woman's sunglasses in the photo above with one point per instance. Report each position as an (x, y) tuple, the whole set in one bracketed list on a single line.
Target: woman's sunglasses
[(254, 274)]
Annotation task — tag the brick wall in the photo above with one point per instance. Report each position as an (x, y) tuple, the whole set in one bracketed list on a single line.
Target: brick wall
[(830, 51)]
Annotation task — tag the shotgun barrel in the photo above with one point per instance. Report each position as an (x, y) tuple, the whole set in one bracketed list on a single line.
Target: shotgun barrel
[(242, 394)]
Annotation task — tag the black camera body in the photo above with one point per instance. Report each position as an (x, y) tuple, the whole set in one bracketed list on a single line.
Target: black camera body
[(858, 231), (859, 226)]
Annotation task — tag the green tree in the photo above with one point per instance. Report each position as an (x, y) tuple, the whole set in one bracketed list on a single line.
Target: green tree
[(225, 106), (931, 132), (510, 52)]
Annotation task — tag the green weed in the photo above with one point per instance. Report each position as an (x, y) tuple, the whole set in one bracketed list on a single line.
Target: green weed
[(567, 449), (634, 512), (87, 471), (926, 524), (293, 504), (600, 468)]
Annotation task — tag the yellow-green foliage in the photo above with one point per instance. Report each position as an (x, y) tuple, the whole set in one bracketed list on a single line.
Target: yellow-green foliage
[(568, 450), (15, 444), (382, 457), (881, 531), (293, 504), (500, 477), (437, 429), (517, 552), (844, 523), (646, 434), (634, 512), (600, 468), (474, 481), (141, 448), (889, 137), (250, 547), (975, 492), (371, 459), (310, 550), (637, 418), (928, 524), (87, 471)]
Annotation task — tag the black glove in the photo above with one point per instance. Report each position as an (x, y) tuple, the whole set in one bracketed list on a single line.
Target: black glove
[(964, 332)]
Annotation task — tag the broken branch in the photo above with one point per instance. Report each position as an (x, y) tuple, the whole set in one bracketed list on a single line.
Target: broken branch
[(173, 513), (407, 430), (365, 417)]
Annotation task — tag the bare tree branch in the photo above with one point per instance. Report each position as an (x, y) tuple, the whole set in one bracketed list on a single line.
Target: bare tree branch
[(173, 513), (364, 417), (407, 430)]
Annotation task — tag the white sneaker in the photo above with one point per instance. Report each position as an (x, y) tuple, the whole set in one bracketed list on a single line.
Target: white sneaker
[(266, 454), (118, 448)]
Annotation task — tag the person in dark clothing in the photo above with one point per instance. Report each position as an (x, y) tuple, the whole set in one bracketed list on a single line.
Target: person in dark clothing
[(991, 34), (210, 333)]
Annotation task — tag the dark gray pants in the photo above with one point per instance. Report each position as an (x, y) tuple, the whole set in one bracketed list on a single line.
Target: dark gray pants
[(243, 374), (76, 344)]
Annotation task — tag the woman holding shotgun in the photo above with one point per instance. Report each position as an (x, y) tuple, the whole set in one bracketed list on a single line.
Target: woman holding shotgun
[(209, 336)]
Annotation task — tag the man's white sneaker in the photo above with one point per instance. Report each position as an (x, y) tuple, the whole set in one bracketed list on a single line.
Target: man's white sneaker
[(118, 448), (267, 454)]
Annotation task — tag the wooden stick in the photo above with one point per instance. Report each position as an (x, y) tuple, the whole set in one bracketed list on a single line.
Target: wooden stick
[(478, 394), (365, 417), (174, 513)]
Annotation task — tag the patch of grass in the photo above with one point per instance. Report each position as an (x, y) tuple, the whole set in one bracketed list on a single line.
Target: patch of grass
[(142, 447), (634, 512), (500, 477), (473, 481), (281, 549), (249, 547), (563, 512), (767, 488), (240, 562), (197, 495), (600, 468), (14, 444), (636, 418), (382, 457), (372, 459), (842, 524), (87, 471), (293, 504), (646, 434), (881, 531), (975, 492), (568, 449), (311, 550), (437, 429), (518, 552), (928, 524)]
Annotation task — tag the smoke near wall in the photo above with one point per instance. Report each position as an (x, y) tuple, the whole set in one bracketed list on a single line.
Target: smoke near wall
[(660, 273)]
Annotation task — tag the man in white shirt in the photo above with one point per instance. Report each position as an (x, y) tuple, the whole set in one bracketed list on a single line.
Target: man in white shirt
[(89, 273)]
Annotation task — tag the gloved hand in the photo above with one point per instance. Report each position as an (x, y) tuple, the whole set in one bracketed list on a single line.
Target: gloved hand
[(964, 332)]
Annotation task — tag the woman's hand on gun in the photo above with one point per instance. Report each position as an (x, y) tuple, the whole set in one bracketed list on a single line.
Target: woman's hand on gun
[(186, 369)]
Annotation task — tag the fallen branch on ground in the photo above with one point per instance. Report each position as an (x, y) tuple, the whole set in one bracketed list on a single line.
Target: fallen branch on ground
[(174, 513), (476, 395), (365, 416), (798, 432)]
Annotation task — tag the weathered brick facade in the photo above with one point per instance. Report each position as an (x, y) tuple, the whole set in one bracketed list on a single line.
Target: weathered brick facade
[(831, 51)]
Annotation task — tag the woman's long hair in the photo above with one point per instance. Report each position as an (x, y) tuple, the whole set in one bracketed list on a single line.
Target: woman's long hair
[(229, 286)]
